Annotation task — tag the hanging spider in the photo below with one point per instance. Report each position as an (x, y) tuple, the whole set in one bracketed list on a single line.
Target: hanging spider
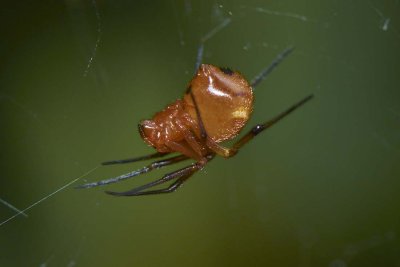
[(217, 104)]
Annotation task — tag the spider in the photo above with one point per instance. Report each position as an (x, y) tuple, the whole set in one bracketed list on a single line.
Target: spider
[(217, 104)]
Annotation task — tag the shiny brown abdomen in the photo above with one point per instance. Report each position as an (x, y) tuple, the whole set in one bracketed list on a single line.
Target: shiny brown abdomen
[(224, 99)]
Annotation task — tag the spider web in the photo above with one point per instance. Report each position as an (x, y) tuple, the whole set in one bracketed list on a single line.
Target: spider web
[(77, 76)]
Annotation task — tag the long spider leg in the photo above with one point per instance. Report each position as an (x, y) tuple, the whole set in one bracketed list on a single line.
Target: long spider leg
[(171, 188), (146, 169), (146, 157), (189, 170), (265, 72), (203, 131), (261, 127), (206, 37), (229, 152)]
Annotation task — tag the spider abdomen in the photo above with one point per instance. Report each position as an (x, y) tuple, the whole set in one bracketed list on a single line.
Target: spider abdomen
[(224, 99)]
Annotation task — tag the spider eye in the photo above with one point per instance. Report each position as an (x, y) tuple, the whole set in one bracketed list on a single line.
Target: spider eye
[(227, 71)]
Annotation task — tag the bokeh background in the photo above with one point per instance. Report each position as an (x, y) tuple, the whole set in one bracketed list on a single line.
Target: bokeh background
[(321, 188)]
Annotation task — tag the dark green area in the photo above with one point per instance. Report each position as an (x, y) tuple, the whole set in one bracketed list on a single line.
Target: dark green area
[(321, 188)]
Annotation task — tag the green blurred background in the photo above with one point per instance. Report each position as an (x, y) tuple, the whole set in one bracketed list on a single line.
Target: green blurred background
[(319, 189)]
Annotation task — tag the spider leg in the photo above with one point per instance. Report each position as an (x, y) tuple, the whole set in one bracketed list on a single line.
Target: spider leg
[(181, 174), (146, 157), (265, 72), (205, 38), (146, 169), (229, 152), (172, 188)]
